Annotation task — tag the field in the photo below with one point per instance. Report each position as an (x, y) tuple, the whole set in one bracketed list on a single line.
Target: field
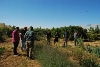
[(49, 56)]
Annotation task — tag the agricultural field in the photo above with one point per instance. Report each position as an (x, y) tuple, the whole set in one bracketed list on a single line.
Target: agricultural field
[(85, 54), (50, 55)]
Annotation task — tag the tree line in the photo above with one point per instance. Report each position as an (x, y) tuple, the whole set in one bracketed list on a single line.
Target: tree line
[(87, 34)]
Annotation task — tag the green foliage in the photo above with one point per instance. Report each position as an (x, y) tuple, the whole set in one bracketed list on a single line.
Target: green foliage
[(89, 62), (91, 36), (80, 42), (70, 29), (78, 54), (94, 50), (1, 50), (97, 30), (5, 31), (84, 59), (51, 57)]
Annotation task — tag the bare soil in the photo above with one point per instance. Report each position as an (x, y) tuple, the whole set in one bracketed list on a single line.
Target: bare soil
[(8, 60)]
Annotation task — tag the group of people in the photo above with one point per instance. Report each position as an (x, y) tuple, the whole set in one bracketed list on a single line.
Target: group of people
[(48, 37), (65, 37), (26, 38)]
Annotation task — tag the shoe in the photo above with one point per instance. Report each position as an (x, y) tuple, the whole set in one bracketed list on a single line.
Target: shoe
[(32, 58), (15, 55)]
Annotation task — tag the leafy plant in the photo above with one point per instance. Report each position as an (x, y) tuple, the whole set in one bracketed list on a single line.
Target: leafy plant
[(89, 62), (1, 50), (94, 50)]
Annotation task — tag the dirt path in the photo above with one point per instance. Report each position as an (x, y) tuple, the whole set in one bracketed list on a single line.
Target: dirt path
[(8, 60)]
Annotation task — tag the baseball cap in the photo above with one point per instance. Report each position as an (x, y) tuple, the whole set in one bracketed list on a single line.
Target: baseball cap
[(25, 27)]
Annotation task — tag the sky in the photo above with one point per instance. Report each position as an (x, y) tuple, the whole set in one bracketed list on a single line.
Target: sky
[(49, 13)]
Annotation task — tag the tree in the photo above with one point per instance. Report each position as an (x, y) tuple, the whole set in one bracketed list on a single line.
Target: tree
[(97, 30)]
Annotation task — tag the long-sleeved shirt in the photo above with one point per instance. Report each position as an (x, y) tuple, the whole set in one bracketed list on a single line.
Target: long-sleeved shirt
[(75, 35), (48, 35), (29, 36), (15, 36)]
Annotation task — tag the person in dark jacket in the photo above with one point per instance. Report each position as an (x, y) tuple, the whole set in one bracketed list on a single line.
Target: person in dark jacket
[(48, 37), (56, 38)]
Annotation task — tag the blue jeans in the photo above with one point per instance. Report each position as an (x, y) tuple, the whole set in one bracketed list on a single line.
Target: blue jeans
[(75, 41), (22, 44), (65, 41)]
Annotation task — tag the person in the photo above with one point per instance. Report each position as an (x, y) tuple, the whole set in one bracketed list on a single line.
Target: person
[(65, 38), (15, 40), (22, 40), (25, 29), (29, 37), (56, 39), (48, 36), (75, 38)]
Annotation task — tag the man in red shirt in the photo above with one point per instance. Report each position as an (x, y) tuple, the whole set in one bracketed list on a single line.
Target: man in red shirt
[(15, 40)]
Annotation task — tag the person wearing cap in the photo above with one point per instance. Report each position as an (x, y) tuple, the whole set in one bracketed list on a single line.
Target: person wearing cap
[(29, 37), (25, 29), (22, 39), (15, 40)]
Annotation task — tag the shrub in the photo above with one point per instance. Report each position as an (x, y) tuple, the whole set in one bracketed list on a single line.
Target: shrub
[(92, 37), (94, 50), (89, 62), (80, 42)]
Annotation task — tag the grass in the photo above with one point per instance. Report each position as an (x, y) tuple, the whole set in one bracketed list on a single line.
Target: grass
[(24, 63), (1, 50), (51, 57)]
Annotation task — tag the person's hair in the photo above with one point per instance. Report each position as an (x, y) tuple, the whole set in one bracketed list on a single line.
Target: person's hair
[(31, 28), (25, 28), (17, 28), (22, 30)]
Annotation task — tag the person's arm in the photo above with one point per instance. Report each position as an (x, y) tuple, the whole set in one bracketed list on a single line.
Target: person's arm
[(25, 36), (34, 36), (50, 35), (20, 35)]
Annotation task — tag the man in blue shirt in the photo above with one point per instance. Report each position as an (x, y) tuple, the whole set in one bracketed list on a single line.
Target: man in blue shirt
[(65, 38)]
